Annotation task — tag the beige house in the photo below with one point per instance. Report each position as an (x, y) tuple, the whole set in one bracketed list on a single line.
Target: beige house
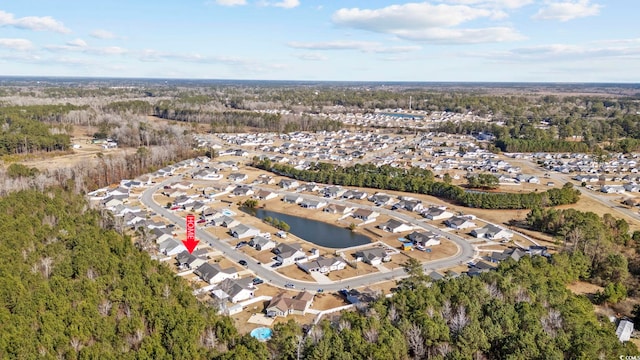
[(283, 305)]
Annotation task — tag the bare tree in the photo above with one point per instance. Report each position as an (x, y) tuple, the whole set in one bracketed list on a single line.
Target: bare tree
[(459, 320), (208, 339), (105, 307), (371, 335), (76, 344), (415, 340)]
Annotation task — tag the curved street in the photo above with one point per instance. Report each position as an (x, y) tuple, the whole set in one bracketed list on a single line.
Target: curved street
[(465, 252)]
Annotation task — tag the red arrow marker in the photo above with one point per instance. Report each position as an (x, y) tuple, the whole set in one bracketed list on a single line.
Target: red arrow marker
[(190, 243)]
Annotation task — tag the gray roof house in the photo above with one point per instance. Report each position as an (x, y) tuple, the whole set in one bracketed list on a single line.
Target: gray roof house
[(288, 253), (244, 231), (459, 223), (492, 232), (373, 256), (213, 273)]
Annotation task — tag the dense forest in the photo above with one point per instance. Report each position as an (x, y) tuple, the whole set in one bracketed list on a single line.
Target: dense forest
[(72, 288), (611, 252), (521, 311), (416, 180), (24, 129)]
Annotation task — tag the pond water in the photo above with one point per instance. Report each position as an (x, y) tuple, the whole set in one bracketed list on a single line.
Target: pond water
[(317, 232)]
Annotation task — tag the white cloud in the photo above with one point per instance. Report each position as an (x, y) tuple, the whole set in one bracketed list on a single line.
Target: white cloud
[(77, 42), (427, 22), (37, 23), (102, 34), (625, 48), (79, 45), (364, 46), (229, 2), (495, 4), (287, 4), (312, 57), (16, 44), (569, 10)]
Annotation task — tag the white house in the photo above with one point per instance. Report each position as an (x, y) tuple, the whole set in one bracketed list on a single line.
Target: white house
[(213, 273), (492, 232), (395, 226), (288, 184), (424, 238), (244, 231), (262, 243), (365, 214), (373, 256), (234, 290), (289, 253), (171, 247), (265, 195), (323, 265), (459, 223), (313, 204), (435, 213)]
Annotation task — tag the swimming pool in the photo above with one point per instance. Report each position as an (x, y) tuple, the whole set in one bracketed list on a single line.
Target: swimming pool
[(262, 333), (227, 212)]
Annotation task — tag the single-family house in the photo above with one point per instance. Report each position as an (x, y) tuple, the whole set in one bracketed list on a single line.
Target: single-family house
[(210, 214), (511, 253), (373, 256), (323, 265), (171, 247), (395, 226), (283, 305), (292, 199), (265, 195), (227, 221), (234, 290), (337, 209), (243, 231), (310, 187), (182, 185), (459, 223), (288, 184), (365, 214), (313, 204), (424, 238), (243, 190), (354, 194), (333, 192), (262, 243), (492, 232), (436, 213), (381, 199), (410, 205), (161, 234), (213, 273), (189, 261), (288, 253), (237, 177)]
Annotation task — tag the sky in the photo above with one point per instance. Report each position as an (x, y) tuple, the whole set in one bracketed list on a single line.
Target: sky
[(333, 40)]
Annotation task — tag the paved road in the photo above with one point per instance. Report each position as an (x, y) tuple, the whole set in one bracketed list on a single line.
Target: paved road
[(603, 199), (465, 253)]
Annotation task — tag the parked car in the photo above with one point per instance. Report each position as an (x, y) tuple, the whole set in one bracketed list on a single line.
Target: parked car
[(241, 244), (201, 221), (276, 264), (289, 286), (257, 281), (243, 263)]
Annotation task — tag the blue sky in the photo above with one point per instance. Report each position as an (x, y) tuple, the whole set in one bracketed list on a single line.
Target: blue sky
[(348, 40)]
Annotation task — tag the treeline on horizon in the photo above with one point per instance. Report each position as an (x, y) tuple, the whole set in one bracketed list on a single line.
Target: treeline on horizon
[(419, 181)]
